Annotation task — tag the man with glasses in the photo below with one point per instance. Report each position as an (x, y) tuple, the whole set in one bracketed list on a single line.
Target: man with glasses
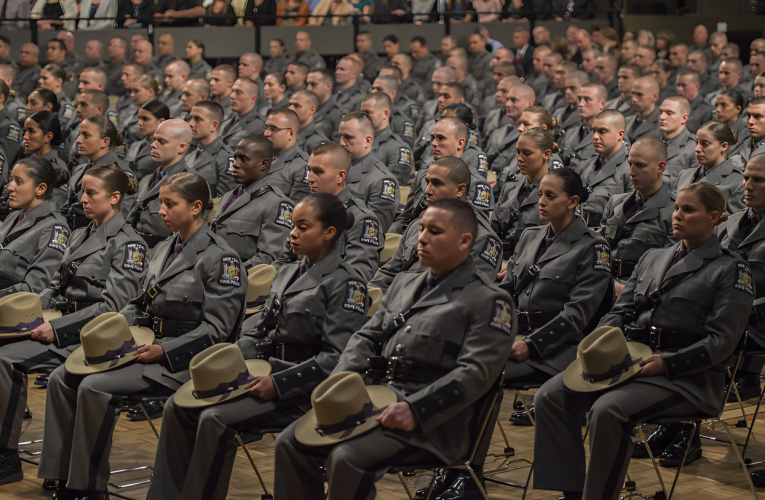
[(288, 169)]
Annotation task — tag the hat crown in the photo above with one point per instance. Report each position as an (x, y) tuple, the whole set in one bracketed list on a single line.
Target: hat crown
[(602, 350), (107, 332), (338, 397), (217, 365), (259, 280), (20, 310)]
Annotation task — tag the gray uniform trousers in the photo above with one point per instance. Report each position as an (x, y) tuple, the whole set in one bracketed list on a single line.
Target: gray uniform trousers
[(559, 458)]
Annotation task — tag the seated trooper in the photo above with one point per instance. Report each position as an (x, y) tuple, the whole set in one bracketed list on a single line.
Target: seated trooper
[(256, 217), (500, 148), (361, 243), (208, 155), (447, 178), (191, 297), (680, 142), (288, 168), (436, 396), (684, 375), (304, 103), (388, 146), (577, 143), (473, 155), (314, 307)]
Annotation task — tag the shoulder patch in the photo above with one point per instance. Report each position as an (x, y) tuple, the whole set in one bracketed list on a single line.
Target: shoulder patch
[(744, 279), (421, 96), (305, 175), (404, 156), (59, 238), (21, 114), (483, 164), (135, 256), (556, 164), (408, 129), (230, 271), (482, 197), (501, 316), (414, 110), (284, 217), (68, 110), (14, 133), (112, 116), (371, 233), (130, 174), (230, 167), (2, 163), (474, 137), (388, 191), (491, 251), (602, 258), (355, 296)]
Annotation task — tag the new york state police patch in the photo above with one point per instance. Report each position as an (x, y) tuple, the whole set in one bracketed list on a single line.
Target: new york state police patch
[(230, 271), (355, 296), (501, 316)]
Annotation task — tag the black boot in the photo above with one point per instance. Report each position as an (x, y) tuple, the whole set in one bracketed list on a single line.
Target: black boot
[(748, 385), (570, 495), (153, 408), (10, 467), (758, 478), (658, 441), (50, 484), (673, 455), (522, 418), (464, 488), (443, 481), (64, 493)]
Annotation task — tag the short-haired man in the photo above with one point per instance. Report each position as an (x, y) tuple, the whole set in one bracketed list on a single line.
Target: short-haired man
[(305, 54), (246, 119), (524, 52), (193, 92), (176, 76), (408, 85), (208, 156), (497, 118), (424, 62), (500, 148), (329, 112), (144, 55), (605, 70), (680, 142), (644, 58), (759, 85), (440, 77), (591, 100), (730, 79), (560, 74), (698, 62), (549, 60), (90, 102), (607, 173), (116, 51), (5, 53), (279, 59), (387, 146), (745, 149), (347, 91), (645, 121), (688, 83), (288, 169), (94, 51), (295, 77), (304, 104), (405, 115), (372, 62), (500, 70), (449, 93), (368, 178), (538, 79), (92, 78), (29, 70), (165, 51), (125, 107), (249, 66), (473, 92), (626, 78), (567, 117), (221, 85)]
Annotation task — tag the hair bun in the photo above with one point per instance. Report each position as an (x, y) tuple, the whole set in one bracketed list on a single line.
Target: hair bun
[(723, 217), (554, 123), (555, 148), (132, 186)]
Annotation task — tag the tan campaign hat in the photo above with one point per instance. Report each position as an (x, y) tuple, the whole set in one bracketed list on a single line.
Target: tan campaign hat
[(107, 342), (20, 313), (376, 295), (259, 279), (219, 373), (604, 359), (343, 408)]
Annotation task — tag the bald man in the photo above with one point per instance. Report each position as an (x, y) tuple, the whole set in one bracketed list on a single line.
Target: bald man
[(144, 55), (405, 114), (176, 76), (538, 80), (645, 121), (165, 51), (387, 146), (171, 142), (410, 86), (29, 70), (560, 73), (567, 117), (305, 103), (497, 117), (250, 65), (208, 156), (305, 54), (500, 148), (246, 120), (577, 143), (94, 51), (681, 143), (193, 92), (730, 74), (288, 169), (347, 91)]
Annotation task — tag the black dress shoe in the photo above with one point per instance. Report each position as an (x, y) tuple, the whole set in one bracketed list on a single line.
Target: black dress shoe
[(758, 478), (748, 385), (443, 481), (568, 495), (673, 455), (464, 488), (50, 484), (64, 493), (522, 418), (42, 381), (10, 467), (658, 440), (153, 408)]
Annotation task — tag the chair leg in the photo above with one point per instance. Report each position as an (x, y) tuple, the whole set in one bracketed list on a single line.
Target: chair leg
[(508, 448), (252, 462), (478, 483), (751, 426), (156, 433), (653, 460), (732, 385), (740, 459), (406, 487), (526, 407)]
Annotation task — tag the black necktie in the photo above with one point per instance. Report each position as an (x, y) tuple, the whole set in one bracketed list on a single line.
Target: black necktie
[(747, 224), (634, 209), (546, 243), (599, 164), (679, 256), (428, 285), (157, 178), (700, 174)]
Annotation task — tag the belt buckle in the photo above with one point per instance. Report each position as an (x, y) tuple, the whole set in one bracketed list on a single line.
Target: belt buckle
[(398, 321), (152, 292), (654, 338), (157, 326), (279, 350), (618, 262)]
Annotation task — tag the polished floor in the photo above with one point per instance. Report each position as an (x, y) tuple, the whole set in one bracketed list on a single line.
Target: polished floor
[(716, 475)]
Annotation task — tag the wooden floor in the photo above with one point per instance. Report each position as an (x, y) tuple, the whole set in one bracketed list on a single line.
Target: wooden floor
[(716, 475)]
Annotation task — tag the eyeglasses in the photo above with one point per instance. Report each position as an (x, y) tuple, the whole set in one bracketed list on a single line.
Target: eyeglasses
[(271, 129)]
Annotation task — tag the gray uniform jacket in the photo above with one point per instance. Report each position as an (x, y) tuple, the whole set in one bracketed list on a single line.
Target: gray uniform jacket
[(359, 246), (31, 250), (396, 154), (369, 179), (405, 120), (462, 329), (648, 127), (138, 157), (26, 80), (162, 62), (234, 131), (11, 141), (501, 147), (125, 110), (486, 254), (622, 105), (327, 118), (66, 110), (744, 150), (310, 58), (277, 64), (201, 70), (630, 238), (554, 101), (58, 194), (701, 113), (514, 214), (573, 120), (422, 70), (173, 102), (225, 103), (495, 119), (472, 92), (130, 129), (110, 265), (74, 188), (289, 172), (713, 301), (612, 179), (351, 98), (311, 136), (573, 280), (413, 90), (576, 150), (256, 224), (17, 111), (726, 176), (215, 163), (113, 72), (205, 284), (681, 155), (480, 67)]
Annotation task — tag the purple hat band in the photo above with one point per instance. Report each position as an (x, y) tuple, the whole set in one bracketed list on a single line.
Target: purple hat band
[(113, 356), (22, 327), (225, 389), (614, 373), (350, 422), (257, 302)]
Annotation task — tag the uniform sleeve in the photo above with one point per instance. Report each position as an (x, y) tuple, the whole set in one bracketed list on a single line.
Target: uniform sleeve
[(52, 290), (272, 236), (385, 275), (299, 188), (222, 310), (608, 212), (736, 198), (43, 265), (383, 204), (225, 179), (362, 247), (487, 255)]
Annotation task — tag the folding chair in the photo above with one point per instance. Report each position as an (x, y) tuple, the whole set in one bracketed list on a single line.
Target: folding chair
[(252, 437)]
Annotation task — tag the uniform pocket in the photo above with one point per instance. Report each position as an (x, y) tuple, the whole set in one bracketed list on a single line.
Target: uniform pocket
[(301, 316), (242, 236)]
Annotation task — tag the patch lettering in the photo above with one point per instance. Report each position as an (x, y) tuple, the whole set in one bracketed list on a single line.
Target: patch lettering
[(602, 258), (284, 218), (355, 296), (135, 256), (483, 164), (230, 167), (14, 133), (388, 191), (404, 156), (414, 110), (68, 111), (371, 233), (230, 271), (474, 137), (408, 129), (491, 251), (744, 281), (59, 238), (501, 316), (482, 197)]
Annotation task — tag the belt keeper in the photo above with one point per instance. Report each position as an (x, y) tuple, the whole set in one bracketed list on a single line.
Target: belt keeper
[(152, 292), (654, 337)]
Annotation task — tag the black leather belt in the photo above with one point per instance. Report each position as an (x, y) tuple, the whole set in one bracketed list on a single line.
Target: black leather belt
[(592, 219), (662, 338), (152, 239), (295, 353), (163, 327), (530, 321), (623, 267), (72, 306), (408, 371), (8, 283), (77, 221)]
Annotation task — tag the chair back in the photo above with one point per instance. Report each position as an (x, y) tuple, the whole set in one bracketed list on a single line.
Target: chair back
[(392, 241)]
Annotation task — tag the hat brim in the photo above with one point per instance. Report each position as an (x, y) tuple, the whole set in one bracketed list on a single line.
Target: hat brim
[(184, 397), (75, 363), (572, 377), (253, 310), (48, 315), (305, 431)]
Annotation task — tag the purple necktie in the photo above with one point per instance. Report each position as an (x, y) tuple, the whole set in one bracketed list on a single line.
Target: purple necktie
[(21, 218), (700, 174), (510, 128), (157, 178), (599, 164), (619, 103), (233, 124), (546, 243), (92, 231), (302, 269), (176, 252), (428, 285), (679, 256), (634, 209), (584, 133), (239, 193)]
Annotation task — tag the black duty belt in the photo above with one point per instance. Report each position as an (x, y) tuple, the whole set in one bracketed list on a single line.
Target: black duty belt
[(77, 221), (530, 321), (592, 219), (408, 371), (295, 353), (623, 268), (662, 338), (163, 327), (8, 283), (70, 306), (152, 239)]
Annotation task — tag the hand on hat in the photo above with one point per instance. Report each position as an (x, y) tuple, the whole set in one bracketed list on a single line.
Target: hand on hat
[(652, 365), (263, 387), (44, 333), (520, 351), (501, 275), (150, 353), (398, 416)]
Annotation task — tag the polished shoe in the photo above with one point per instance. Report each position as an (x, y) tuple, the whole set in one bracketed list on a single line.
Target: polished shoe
[(153, 408), (522, 418), (758, 478), (64, 493), (658, 440), (50, 484), (42, 381), (444, 479), (10, 467), (568, 495), (673, 455), (464, 488), (748, 385)]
